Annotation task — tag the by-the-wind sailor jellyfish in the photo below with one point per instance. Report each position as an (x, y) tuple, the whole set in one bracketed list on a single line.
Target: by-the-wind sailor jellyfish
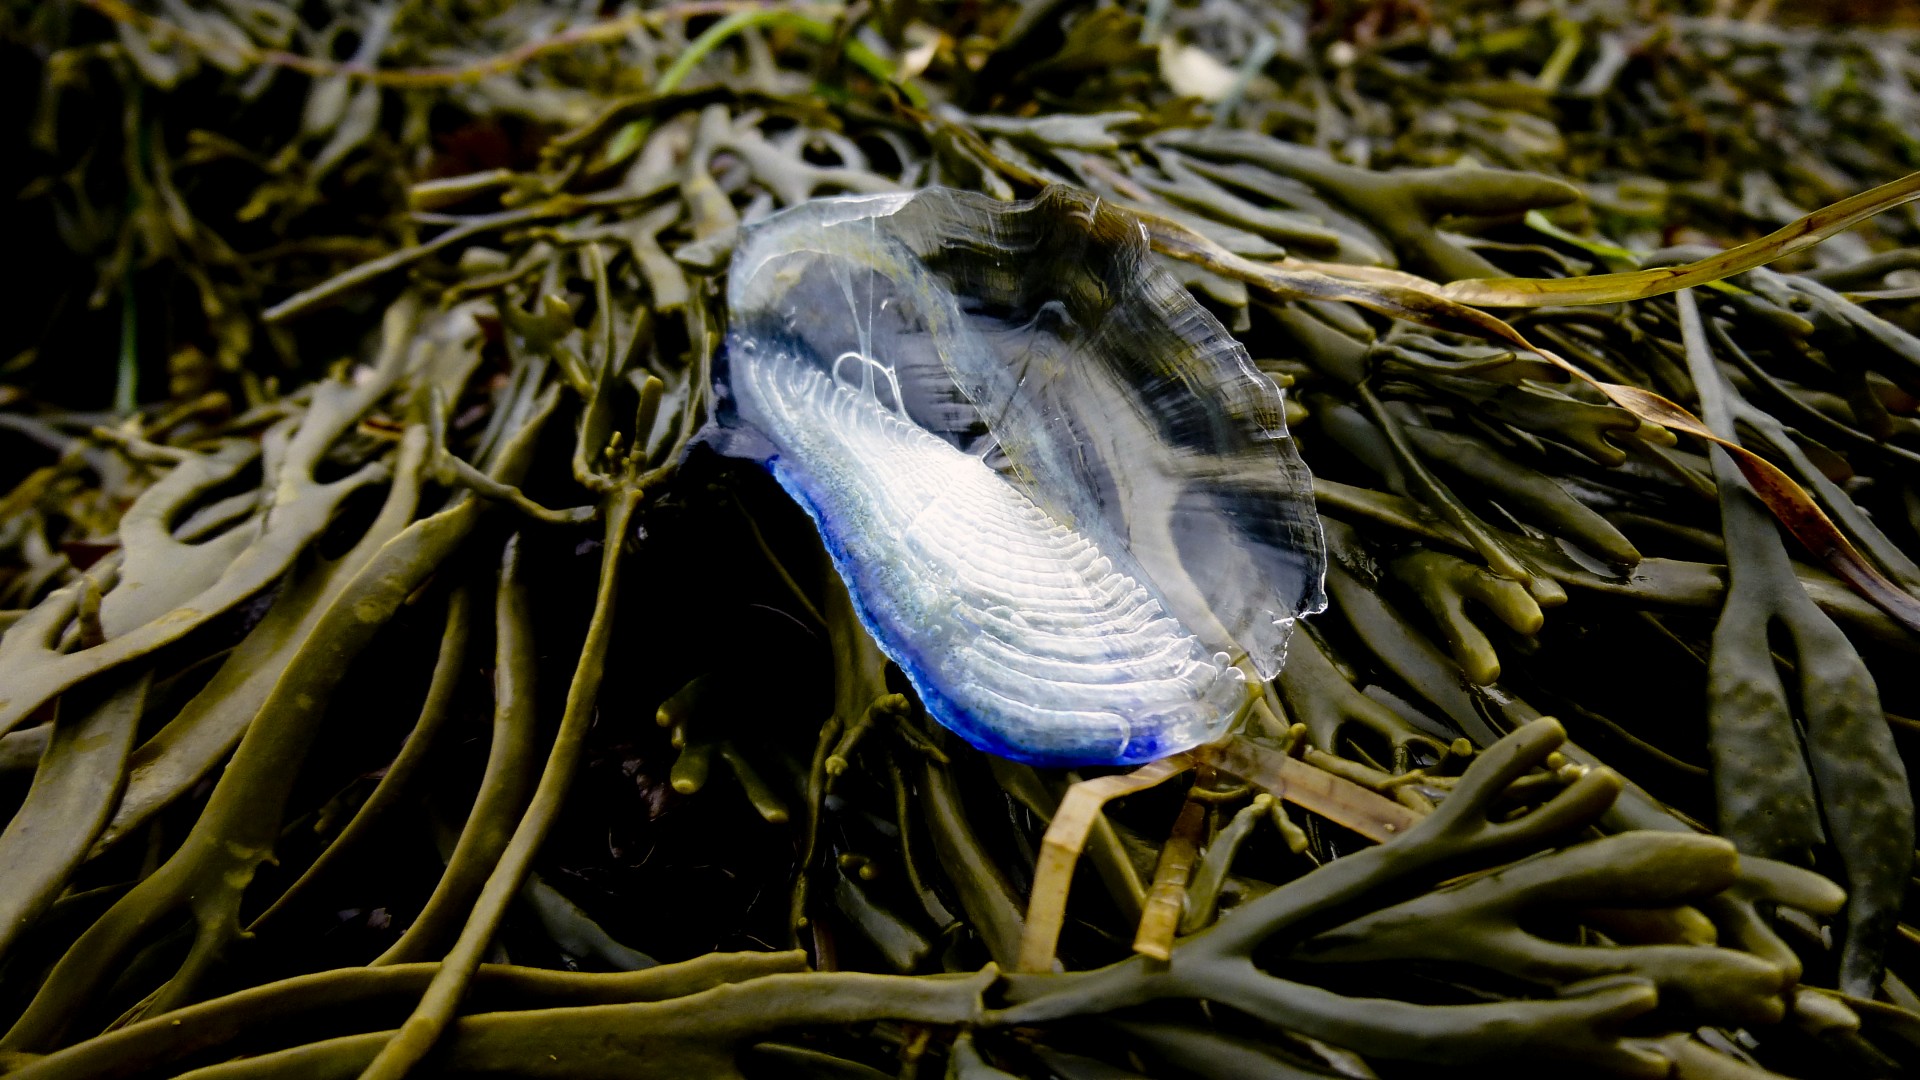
[(1062, 498)]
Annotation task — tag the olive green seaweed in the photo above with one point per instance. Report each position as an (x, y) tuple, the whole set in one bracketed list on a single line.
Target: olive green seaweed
[(406, 764), (505, 786), (154, 1045), (442, 997), (78, 777), (237, 830), (352, 322), (203, 733), (33, 672), (1765, 789)]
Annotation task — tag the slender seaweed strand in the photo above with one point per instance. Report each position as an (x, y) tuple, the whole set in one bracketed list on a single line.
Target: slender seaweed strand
[(1765, 790), (414, 753), (437, 1006), (505, 785), (236, 832), (80, 775), (150, 1046)]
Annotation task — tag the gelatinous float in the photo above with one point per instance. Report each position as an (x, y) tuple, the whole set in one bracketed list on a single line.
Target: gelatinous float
[(1062, 497)]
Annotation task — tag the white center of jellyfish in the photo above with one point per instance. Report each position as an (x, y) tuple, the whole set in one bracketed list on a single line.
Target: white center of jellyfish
[(1017, 629)]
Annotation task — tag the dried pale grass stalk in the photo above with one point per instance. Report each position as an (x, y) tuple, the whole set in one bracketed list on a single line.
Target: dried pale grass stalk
[(1335, 798), (1060, 850), (1167, 899)]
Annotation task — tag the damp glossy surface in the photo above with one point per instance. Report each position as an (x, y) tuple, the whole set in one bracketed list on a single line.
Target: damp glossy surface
[(1061, 496)]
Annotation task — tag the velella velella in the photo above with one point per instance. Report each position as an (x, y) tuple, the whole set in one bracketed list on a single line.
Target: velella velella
[(1061, 496)]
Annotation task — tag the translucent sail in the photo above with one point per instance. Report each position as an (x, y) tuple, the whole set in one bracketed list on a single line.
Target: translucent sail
[(1061, 496)]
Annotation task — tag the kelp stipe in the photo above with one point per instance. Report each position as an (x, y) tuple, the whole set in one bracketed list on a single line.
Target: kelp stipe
[(1062, 497)]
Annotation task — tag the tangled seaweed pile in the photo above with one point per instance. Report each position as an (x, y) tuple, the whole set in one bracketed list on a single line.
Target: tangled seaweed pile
[(387, 689)]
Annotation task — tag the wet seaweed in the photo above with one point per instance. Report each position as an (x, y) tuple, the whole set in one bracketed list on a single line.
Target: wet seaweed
[(360, 323)]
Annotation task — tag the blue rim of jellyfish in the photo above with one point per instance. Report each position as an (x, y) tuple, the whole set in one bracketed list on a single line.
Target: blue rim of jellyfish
[(1140, 748)]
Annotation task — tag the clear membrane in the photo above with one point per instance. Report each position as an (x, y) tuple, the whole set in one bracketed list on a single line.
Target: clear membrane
[(1062, 497)]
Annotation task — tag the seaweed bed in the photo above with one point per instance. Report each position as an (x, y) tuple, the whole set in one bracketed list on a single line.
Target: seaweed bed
[(387, 686)]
